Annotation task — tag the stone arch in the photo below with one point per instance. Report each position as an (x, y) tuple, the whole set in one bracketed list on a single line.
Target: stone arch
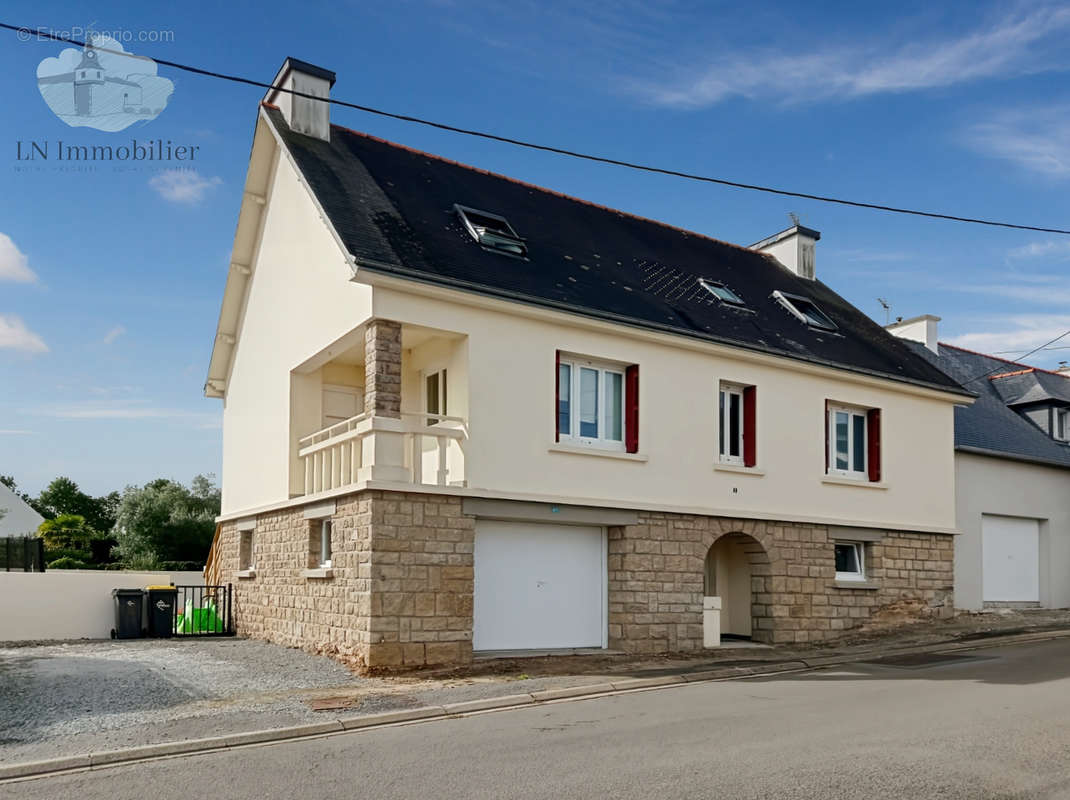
[(737, 568)]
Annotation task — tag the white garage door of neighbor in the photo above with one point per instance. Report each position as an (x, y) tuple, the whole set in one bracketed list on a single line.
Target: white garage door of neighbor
[(538, 586), (1010, 549)]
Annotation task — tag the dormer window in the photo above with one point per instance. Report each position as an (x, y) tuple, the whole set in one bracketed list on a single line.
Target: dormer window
[(492, 232), (805, 311), (1062, 424), (721, 292)]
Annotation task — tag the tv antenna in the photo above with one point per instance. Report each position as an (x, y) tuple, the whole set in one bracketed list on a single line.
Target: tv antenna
[(887, 309)]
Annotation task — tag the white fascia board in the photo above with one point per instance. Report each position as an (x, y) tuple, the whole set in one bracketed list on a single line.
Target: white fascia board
[(268, 148)]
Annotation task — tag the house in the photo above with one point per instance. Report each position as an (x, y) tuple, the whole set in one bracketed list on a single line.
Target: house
[(462, 412), (17, 518), (1012, 467)]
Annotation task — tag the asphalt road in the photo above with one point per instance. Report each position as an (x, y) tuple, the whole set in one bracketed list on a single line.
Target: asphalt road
[(994, 725)]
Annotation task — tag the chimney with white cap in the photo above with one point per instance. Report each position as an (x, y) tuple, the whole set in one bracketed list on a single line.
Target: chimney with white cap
[(922, 329), (794, 248), (307, 115)]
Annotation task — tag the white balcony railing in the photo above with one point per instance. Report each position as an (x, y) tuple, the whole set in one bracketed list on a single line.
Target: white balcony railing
[(419, 448)]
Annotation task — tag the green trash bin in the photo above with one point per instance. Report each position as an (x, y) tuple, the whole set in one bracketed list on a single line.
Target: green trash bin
[(161, 607)]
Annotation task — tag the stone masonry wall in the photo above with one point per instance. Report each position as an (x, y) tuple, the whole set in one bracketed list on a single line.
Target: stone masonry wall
[(656, 581), (401, 589), (400, 592)]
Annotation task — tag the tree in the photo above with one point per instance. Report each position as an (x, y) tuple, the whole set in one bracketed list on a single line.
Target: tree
[(63, 496), (163, 521)]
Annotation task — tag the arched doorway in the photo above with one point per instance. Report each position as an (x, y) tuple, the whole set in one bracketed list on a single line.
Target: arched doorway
[(730, 569)]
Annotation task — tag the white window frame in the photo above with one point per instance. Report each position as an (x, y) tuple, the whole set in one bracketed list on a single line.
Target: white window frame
[(441, 376), (851, 411), (575, 364), (719, 289), (789, 302), (1062, 418), (243, 534), (724, 410), (325, 528), (860, 557)]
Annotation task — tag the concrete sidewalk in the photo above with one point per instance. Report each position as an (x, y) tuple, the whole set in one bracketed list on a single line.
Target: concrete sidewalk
[(467, 696)]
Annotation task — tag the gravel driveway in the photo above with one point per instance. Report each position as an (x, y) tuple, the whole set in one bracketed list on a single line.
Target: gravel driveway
[(99, 695)]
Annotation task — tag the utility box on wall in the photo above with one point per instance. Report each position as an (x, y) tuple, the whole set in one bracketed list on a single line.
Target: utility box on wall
[(711, 621)]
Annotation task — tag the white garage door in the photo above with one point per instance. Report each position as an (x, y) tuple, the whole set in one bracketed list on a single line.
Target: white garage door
[(538, 586), (1010, 559)]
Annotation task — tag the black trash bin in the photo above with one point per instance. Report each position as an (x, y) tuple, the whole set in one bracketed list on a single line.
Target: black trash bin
[(128, 604), (161, 607)]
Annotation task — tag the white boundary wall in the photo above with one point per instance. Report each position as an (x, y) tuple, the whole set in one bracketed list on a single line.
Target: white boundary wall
[(70, 603)]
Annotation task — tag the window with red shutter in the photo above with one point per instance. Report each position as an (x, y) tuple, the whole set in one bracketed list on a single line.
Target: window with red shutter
[(631, 409), (750, 426), (873, 431)]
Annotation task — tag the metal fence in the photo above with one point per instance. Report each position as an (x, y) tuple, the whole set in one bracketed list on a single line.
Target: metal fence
[(22, 554), (204, 611)]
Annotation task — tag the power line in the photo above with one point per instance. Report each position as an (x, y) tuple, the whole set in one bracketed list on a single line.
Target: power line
[(1034, 350), (43, 34), (1005, 352)]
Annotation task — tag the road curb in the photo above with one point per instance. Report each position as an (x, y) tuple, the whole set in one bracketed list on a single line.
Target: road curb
[(109, 758)]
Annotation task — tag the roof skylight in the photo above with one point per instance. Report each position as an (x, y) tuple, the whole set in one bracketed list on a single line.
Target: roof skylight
[(721, 292), (805, 310), (492, 232)]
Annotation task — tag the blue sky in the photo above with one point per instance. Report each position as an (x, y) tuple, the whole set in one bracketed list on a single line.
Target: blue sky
[(110, 280)]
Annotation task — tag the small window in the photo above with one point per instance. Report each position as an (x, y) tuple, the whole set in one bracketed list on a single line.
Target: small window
[(731, 435), (319, 544), (805, 310), (492, 232), (1062, 424), (590, 404), (435, 395), (850, 561), (848, 442), (721, 292), (246, 551)]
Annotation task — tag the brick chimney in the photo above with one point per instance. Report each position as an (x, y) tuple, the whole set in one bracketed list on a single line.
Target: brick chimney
[(922, 329), (794, 248), (303, 114)]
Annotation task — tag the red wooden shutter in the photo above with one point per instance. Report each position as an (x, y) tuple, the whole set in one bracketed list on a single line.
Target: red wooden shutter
[(557, 396), (750, 426), (631, 409), (828, 442), (873, 443)]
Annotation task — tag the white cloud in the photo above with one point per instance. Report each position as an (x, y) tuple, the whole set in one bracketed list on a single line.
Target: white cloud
[(14, 335), (98, 411), (14, 265), (1017, 333), (1015, 44), (1037, 139), (187, 187), (114, 334), (11, 432), (1039, 289), (1056, 249)]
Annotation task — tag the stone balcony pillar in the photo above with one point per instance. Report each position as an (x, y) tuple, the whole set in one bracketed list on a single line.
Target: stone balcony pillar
[(383, 448), (382, 368)]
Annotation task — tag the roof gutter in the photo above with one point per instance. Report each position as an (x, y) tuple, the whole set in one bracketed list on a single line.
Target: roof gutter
[(983, 451)]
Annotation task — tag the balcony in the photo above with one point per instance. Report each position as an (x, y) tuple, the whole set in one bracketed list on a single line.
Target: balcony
[(422, 448)]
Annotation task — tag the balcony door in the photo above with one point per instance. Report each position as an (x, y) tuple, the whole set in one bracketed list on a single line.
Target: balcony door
[(340, 403)]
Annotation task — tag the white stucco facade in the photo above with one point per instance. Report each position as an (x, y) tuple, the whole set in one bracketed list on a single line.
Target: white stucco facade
[(998, 487)]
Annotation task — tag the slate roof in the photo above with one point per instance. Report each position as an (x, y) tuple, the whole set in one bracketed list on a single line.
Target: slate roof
[(393, 208), (989, 425), (1026, 386)]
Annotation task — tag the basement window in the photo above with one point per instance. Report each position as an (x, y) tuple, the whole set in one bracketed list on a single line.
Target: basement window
[(850, 561), (319, 544), (805, 311), (492, 232), (721, 292)]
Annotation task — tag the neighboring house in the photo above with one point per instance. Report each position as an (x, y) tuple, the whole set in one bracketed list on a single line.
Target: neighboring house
[(461, 411), (18, 518), (1012, 466)]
